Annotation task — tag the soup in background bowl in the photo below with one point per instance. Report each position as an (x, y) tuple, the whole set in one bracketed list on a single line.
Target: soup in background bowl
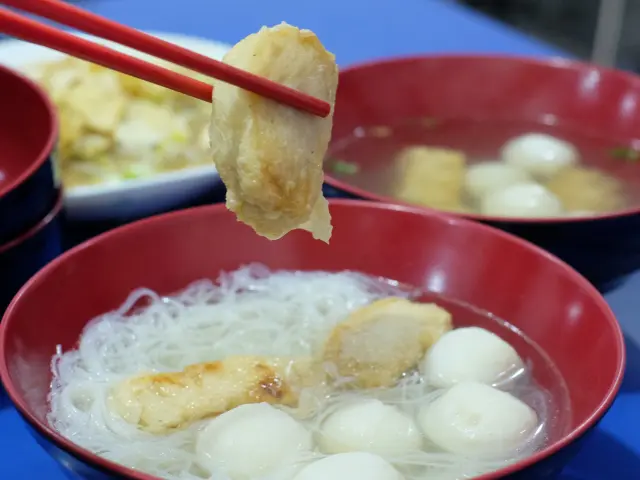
[(254, 359), (544, 149)]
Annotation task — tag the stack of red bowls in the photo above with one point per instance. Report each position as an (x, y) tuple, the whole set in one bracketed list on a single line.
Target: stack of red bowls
[(30, 196)]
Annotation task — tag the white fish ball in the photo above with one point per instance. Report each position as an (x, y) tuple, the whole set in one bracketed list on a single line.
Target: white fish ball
[(250, 441), (539, 154), (350, 466), (369, 426), (478, 421), (470, 354), (484, 178), (528, 200)]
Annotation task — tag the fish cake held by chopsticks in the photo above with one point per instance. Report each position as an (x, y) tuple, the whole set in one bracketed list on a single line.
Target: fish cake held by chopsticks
[(269, 155), (161, 402), (377, 343)]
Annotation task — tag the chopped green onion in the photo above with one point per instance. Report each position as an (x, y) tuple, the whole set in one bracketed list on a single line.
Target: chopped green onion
[(129, 175), (346, 168), (626, 153)]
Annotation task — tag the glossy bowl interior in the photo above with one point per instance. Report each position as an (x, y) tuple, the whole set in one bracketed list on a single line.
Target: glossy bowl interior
[(579, 97), (28, 134), (551, 303)]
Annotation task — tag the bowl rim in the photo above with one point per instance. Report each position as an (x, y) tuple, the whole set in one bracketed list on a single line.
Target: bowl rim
[(555, 62), (98, 462), (52, 138), (46, 220)]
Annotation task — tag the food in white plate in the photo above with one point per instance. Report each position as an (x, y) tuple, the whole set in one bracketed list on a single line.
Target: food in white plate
[(115, 128)]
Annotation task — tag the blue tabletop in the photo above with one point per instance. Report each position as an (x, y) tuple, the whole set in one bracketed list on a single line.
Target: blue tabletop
[(357, 30)]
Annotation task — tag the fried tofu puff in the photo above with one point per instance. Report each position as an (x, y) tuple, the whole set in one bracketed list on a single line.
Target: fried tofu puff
[(432, 177), (587, 189)]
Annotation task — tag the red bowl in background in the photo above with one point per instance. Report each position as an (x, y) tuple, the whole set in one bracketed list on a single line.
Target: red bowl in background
[(28, 139), (551, 303), (580, 97)]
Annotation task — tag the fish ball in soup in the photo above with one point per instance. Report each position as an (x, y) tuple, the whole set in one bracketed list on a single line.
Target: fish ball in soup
[(251, 441), (470, 354), (522, 200), (484, 178), (479, 421), (539, 154), (350, 466), (369, 426)]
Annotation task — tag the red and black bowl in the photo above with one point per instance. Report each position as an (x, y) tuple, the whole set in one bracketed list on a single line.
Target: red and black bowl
[(451, 257), (25, 255), (475, 103), (28, 140)]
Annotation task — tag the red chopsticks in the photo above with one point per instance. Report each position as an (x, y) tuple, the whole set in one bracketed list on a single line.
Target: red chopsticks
[(34, 32), (38, 33)]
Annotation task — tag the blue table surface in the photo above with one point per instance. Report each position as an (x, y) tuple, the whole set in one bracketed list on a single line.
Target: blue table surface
[(357, 30)]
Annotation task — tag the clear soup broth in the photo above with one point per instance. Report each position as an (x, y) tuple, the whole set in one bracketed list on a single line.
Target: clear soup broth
[(586, 174)]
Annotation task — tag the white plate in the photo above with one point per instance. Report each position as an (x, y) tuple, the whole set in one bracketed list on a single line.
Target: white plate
[(131, 198)]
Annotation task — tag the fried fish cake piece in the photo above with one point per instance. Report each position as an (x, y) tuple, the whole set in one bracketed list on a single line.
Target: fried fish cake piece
[(432, 177), (587, 189), (377, 343), (162, 402), (269, 155)]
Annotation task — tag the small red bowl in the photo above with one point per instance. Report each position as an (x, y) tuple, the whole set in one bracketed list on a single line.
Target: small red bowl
[(28, 137), (556, 307), (583, 99)]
